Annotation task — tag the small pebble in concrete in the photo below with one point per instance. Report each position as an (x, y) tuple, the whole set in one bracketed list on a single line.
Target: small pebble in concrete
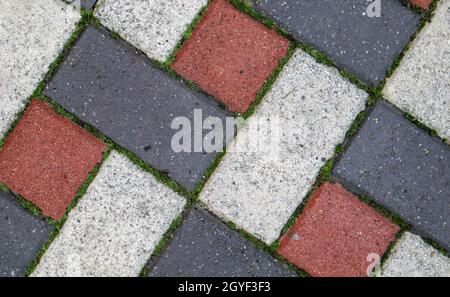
[(22, 236), (203, 246), (230, 55), (402, 168), (412, 257), (32, 33), (356, 36), (115, 227), (154, 26), (105, 83), (336, 235), (310, 108), (47, 158), (421, 84)]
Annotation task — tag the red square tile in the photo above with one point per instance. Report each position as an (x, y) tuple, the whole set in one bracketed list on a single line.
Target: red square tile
[(230, 55), (422, 3), (335, 234), (47, 158)]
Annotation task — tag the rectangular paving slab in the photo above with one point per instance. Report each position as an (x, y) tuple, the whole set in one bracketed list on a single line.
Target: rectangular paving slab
[(355, 40), (310, 108), (154, 26), (421, 84), (412, 257), (107, 84), (32, 33), (203, 246), (22, 236), (402, 168), (115, 227)]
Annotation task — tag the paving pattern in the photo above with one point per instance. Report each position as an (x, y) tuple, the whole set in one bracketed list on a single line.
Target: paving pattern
[(112, 145)]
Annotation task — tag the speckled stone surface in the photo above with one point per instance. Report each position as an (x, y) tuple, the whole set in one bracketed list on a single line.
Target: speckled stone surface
[(402, 168), (105, 83), (22, 235), (47, 158), (412, 257), (32, 33), (335, 234), (365, 46), (115, 226), (230, 55), (421, 84), (154, 26), (422, 3), (205, 247), (260, 189)]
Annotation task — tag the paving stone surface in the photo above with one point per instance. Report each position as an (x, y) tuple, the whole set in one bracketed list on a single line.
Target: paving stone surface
[(115, 226), (412, 257), (132, 102), (425, 4), (421, 84), (47, 158), (87, 4), (402, 168), (205, 247), (32, 33), (336, 234), (22, 235), (365, 46), (230, 55), (260, 189), (154, 26)]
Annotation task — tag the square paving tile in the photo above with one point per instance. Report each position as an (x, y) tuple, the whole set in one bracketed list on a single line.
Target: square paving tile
[(203, 246), (230, 55), (363, 45), (105, 83), (22, 236), (402, 168), (336, 233), (47, 158)]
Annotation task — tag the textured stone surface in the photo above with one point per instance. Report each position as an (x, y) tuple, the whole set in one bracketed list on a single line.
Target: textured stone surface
[(412, 257), (421, 85), (230, 55), (88, 4), (32, 33), (107, 84), (22, 235), (402, 168), (115, 226), (154, 26), (422, 3), (365, 46), (205, 247), (259, 189), (335, 234), (47, 158)]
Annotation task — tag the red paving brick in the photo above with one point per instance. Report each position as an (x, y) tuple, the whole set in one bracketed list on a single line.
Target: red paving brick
[(230, 55), (47, 158), (422, 3), (335, 234)]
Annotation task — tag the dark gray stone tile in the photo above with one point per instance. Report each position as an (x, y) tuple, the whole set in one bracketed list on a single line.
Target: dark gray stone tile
[(22, 236), (403, 169), (364, 46), (205, 247), (88, 4), (107, 84)]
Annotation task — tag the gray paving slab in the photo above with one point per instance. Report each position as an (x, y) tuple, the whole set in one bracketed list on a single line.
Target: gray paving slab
[(22, 236), (203, 246), (342, 29), (402, 168), (87, 4), (107, 84)]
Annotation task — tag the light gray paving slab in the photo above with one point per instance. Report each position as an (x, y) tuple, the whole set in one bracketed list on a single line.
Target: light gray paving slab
[(155, 26), (258, 187), (115, 227), (412, 257), (32, 33), (421, 84)]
